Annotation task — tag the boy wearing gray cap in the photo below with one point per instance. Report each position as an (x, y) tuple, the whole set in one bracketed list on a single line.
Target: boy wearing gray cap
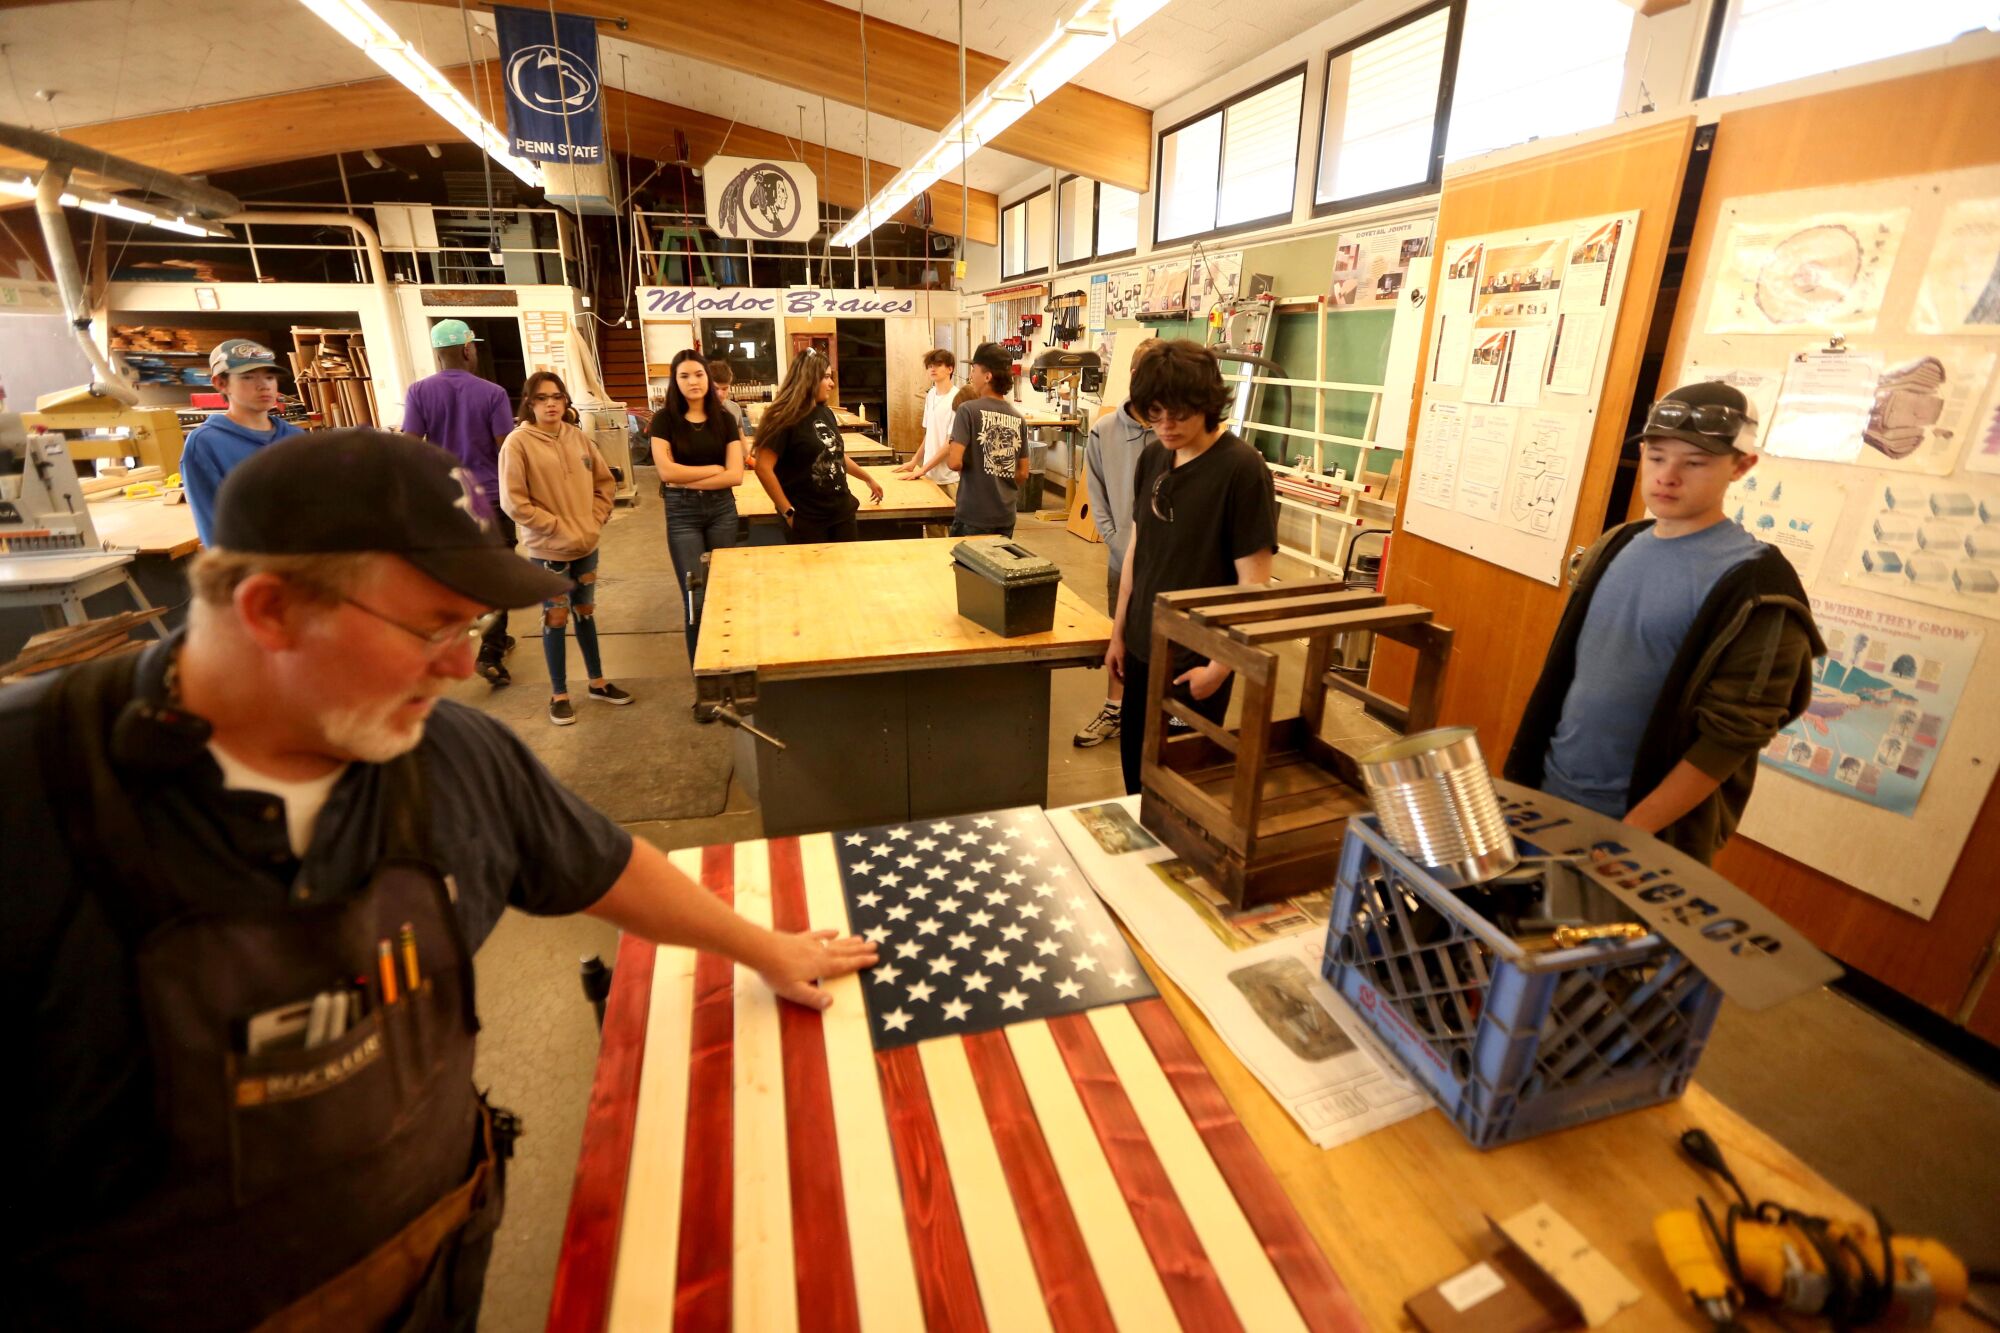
[(247, 374)]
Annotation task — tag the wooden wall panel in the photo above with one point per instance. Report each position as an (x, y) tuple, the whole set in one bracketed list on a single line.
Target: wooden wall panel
[(1938, 121), (1504, 620)]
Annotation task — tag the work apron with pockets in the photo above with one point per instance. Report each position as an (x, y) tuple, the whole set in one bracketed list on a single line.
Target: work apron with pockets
[(350, 1186)]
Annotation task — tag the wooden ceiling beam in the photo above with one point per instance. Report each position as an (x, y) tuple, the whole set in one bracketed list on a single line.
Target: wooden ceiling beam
[(381, 113)]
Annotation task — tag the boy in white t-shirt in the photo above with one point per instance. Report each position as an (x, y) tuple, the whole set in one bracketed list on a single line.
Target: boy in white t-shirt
[(933, 459)]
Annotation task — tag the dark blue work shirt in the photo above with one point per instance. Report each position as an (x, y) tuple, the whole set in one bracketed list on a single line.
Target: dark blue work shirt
[(504, 830)]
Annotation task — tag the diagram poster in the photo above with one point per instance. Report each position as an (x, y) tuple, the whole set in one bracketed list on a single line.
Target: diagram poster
[(1923, 408), (1591, 259), (1792, 506), (1122, 294), (1211, 279), (1166, 291), (1100, 283), (1824, 273), (1483, 464), (1983, 454), (1932, 540), (1824, 406), (1882, 700), (1484, 364), (1960, 292), (1439, 442), (1369, 266), (1521, 282), (1544, 472)]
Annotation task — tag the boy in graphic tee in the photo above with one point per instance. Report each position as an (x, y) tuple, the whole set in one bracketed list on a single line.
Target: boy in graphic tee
[(989, 449)]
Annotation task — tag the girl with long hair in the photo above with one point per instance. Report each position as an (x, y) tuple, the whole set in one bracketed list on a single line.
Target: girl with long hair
[(698, 449), (800, 459), (558, 490)]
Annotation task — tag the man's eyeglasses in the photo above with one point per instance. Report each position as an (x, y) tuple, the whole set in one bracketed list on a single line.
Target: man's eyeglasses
[(1716, 420), (437, 641)]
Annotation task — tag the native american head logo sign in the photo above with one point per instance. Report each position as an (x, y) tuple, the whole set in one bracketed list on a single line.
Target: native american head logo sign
[(755, 199)]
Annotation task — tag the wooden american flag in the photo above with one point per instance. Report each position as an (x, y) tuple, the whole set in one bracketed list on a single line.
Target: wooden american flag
[(1003, 1127)]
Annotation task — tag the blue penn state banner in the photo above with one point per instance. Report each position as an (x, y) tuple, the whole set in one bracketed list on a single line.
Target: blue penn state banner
[(555, 110)]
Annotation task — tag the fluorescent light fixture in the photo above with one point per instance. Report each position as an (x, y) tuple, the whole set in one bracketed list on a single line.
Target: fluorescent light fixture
[(381, 43), (1069, 49), (112, 206)]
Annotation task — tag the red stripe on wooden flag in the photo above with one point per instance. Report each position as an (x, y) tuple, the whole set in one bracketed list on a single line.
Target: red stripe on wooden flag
[(1055, 1243), (945, 1281), (581, 1301), (821, 1255), (708, 1164), (1183, 1265), (1322, 1301)]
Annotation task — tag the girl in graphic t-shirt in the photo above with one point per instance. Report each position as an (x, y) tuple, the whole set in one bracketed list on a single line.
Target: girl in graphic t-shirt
[(699, 451), (801, 462)]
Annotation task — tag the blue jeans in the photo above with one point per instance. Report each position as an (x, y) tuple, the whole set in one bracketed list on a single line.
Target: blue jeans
[(582, 599), (697, 522)]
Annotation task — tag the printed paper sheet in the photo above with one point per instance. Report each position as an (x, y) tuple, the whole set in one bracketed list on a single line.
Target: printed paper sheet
[(1370, 266), (1931, 540), (1793, 506), (1578, 334), (1483, 465), (1883, 698), (1546, 467), (1823, 406), (1123, 292), (1166, 288), (1527, 359), (1591, 260), (1822, 273), (1212, 278), (1924, 404), (1255, 976), (1960, 292), (1439, 441), (1761, 387)]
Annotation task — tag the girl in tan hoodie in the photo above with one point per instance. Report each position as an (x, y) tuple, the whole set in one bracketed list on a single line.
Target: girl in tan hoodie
[(558, 490)]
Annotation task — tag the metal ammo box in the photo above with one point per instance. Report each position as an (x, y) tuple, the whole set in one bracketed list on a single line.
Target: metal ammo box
[(1006, 588)]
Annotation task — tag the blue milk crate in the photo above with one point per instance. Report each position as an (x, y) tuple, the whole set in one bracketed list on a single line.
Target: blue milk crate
[(1511, 1042)]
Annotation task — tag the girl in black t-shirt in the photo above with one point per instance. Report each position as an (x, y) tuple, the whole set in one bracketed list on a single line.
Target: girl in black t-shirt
[(801, 462), (699, 452)]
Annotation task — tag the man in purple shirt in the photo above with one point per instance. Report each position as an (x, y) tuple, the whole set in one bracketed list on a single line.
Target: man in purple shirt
[(468, 417)]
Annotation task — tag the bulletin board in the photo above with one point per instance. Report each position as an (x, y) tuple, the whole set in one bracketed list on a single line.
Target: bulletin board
[(1863, 323), (1519, 338)]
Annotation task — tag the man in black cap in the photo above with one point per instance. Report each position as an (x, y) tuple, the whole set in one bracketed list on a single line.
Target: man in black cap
[(1686, 644), (246, 871)]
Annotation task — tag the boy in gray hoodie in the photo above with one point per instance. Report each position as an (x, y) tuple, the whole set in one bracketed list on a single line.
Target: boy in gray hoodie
[(1110, 462)]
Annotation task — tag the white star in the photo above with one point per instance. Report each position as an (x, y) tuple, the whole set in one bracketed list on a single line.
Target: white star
[(867, 899), (977, 981), (1061, 923), (954, 855), (882, 849), (907, 861), (968, 836), (1047, 947), (1027, 860), (1013, 833), (1079, 903), (895, 1020), (887, 973), (909, 949), (935, 872), (864, 867), (1012, 877), (1044, 890), (954, 1010), (998, 898), (1068, 989), (898, 912), (943, 965), (981, 867), (995, 955), (983, 822), (899, 833), (879, 934), (1040, 843), (921, 990), (890, 880), (1032, 971), (960, 941), (1121, 978), (952, 905), (928, 926), (918, 891), (980, 918), (1097, 938), (1029, 909), (941, 827), (1083, 962), (1012, 933), (999, 848), (924, 844), (1012, 999), (1058, 871), (855, 840), (965, 884)]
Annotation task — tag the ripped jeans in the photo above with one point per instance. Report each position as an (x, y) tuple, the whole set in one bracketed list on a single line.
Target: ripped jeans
[(582, 599)]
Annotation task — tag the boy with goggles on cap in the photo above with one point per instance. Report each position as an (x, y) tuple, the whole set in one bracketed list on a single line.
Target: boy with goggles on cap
[(1686, 644)]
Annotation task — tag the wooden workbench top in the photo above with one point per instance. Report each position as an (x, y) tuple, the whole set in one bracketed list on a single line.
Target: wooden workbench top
[(903, 498), (147, 525), (860, 446), (844, 608)]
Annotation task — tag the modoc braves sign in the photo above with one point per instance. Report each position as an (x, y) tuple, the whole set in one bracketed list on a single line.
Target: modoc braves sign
[(687, 302), (756, 199), (548, 63)]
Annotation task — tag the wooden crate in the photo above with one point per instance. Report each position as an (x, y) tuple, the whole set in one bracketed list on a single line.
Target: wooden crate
[(1260, 810)]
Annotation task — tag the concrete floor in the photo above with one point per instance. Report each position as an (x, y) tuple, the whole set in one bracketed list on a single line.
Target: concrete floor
[(1886, 1118)]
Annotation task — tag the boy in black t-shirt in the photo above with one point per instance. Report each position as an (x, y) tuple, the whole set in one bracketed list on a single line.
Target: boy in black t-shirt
[(988, 449), (1205, 515)]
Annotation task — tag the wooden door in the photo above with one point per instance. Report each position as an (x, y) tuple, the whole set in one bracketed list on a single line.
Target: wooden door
[(1933, 122), (1504, 621), (823, 344)]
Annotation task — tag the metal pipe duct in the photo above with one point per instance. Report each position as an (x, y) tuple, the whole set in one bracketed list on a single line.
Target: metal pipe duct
[(203, 199), (69, 281)]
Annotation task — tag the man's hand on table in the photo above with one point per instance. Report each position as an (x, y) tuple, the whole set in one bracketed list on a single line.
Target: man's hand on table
[(801, 961)]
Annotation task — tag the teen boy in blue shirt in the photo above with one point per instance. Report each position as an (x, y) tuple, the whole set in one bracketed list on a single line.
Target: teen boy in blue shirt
[(246, 373)]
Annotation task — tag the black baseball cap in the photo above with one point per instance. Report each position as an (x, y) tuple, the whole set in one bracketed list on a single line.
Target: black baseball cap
[(994, 357), (1711, 416), (344, 492)]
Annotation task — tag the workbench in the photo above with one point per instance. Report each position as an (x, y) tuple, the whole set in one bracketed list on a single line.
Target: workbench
[(1395, 1212), (907, 504), (864, 450), (891, 705)]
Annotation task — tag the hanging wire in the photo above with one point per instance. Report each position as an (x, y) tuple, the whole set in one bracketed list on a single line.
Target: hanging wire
[(628, 278), (826, 174), (485, 159), (582, 233), (964, 179), (867, 155)]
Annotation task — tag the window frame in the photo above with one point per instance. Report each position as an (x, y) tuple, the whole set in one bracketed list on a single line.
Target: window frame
[(1054, 248), (1098, 207), (1055, 255), (1299, 72), (1440, 124), (1711, 47)]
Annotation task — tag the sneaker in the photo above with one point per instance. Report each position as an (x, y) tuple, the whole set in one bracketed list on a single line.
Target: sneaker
[(507, 642), (1099, 729), (610, 694), (561, 713), (495, 672)]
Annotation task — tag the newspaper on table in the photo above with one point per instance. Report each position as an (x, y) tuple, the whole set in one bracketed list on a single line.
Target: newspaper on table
[(1255, 974)]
